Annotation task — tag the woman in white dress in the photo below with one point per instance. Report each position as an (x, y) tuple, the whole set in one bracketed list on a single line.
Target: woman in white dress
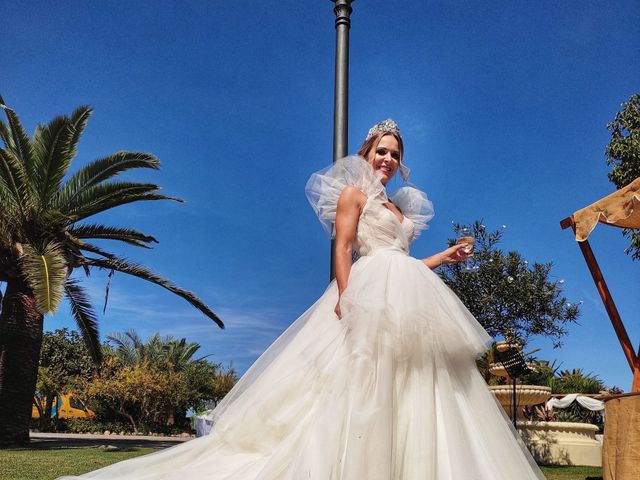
[(377, 380)]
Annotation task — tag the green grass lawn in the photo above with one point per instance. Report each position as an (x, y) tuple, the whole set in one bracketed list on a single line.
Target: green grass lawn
[(47, 464), (571, 473)]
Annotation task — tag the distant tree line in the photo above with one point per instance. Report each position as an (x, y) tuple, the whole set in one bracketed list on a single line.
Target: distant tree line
[(146, 385)]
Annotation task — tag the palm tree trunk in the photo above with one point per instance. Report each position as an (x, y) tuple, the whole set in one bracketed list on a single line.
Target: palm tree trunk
[(21, 325)]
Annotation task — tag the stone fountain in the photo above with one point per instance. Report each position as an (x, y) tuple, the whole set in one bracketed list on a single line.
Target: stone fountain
[(550, 443)]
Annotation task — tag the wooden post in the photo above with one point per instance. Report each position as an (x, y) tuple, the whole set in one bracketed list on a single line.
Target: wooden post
[(609, 304), (621, 445)]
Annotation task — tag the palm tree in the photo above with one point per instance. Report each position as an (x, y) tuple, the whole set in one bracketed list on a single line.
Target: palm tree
[(44, 237), (165, 353)]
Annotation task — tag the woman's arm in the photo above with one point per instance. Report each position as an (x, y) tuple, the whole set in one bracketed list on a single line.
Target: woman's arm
[(452, 254), (348, 211)]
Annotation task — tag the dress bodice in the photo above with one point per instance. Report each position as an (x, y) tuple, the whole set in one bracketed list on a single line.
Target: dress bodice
[(378, 227)]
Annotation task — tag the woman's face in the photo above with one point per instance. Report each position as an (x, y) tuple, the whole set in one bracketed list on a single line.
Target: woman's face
[(385, 158)]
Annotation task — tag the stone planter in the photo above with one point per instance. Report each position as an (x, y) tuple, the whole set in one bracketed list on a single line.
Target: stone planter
[(562, 443)]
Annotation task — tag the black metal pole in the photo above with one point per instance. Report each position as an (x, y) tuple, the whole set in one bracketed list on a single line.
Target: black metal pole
[(342, 10), (515, 407)]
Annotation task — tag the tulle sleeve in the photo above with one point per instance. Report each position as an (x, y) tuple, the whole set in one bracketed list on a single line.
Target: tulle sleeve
[(415, 205), (324, 187)]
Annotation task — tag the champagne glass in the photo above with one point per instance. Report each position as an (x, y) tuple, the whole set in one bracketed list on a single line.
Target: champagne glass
[(470, 240), (467, 239)]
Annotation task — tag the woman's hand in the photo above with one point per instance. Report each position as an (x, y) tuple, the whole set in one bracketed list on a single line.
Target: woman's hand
[(337, 310), (452, 254), (456, 253)]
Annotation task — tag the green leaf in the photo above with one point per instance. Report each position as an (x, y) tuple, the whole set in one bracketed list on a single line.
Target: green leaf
[(129, 347), (94, 249), (53, 153), (106, 196), (84, 316), (46, 272), (140, 271), (103, 169), (127, 235), (78, 122), (10, 177), (14, 177), (16, 136)]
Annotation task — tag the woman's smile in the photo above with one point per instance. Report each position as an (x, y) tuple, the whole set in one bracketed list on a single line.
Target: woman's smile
[(385, 158)]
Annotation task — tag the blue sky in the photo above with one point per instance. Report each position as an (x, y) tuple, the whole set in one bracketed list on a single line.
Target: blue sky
[(503, 107)]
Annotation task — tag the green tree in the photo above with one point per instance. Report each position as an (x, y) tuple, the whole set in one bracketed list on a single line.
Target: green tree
[(160, 352), (139, 393), (194, 382), (205, 384), (166, 354), (576, 381), (65, 363), (508, 296), (224, 381), (623, 156), (44, 238)]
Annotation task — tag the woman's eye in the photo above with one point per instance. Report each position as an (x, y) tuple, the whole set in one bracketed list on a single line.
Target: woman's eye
[(381, 151)]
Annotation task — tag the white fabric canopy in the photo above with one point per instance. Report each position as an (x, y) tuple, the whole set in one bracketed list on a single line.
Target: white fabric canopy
[(586, 402)]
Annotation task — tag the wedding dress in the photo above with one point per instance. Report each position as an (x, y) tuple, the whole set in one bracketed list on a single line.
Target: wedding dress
[(389, 392)]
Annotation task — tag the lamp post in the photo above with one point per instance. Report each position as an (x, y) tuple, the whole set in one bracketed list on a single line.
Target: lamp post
[(342, 9)]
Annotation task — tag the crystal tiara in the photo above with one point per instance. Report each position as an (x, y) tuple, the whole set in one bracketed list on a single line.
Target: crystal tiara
[(386, 126)]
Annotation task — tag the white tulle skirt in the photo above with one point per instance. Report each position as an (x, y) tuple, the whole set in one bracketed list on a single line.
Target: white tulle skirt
[(390, 392)]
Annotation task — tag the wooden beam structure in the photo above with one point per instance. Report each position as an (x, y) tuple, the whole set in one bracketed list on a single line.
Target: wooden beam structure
[(633, 358)]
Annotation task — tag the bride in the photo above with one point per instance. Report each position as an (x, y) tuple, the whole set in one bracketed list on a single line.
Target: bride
[(375, 381)]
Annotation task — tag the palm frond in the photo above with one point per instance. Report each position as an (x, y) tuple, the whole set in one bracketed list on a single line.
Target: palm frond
[(46, 272), (103, 197), (179, 353), (107, 287), (53, 221), (94, 249), (140, 271), (52, 157), (5, 135), (15, 136), (84, 316), (134, 338), (77, 122), (13, 176), (101, 170), (101, 232), (79, 245), (9, 192), (129, 346)]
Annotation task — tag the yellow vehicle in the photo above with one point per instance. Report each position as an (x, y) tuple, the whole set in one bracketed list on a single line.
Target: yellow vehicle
[(64, 406)]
